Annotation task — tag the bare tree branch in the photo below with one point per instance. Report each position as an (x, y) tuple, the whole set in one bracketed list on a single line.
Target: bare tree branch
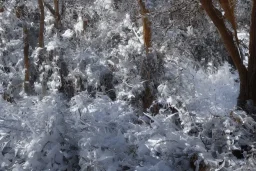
[(49, 7)]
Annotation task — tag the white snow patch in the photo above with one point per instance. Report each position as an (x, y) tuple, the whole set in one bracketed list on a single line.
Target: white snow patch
[(68, 34), (79, 26)]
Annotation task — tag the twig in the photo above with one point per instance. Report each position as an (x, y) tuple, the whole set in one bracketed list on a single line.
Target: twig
[(137, 35)]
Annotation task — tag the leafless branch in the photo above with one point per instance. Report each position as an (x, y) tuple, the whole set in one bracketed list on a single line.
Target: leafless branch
[(49, 7)]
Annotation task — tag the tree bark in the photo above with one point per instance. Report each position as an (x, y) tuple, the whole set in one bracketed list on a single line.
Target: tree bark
[(41, 29), (227, 37), (27, 86), (146, 25), (252, 58), (20, 13), (148, 95), (57, 14)]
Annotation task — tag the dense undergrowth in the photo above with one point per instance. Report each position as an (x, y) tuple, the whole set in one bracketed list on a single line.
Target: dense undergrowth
[(96, 133), (85, 112)]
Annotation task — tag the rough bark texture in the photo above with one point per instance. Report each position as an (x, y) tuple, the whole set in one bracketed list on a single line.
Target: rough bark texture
[(229, 8), (41, 29), (21, 13), (252, 58), (146, 72), (227, 37), (146, 25), (57, 14)]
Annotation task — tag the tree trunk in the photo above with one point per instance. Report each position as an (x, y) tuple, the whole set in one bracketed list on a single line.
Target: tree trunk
[(27, 86), (41, 29), (148, 95), (231, 47), (57, 14), (252, 58), (146, 26)]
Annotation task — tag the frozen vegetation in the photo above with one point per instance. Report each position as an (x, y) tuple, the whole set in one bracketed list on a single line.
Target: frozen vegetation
[(90, 81)]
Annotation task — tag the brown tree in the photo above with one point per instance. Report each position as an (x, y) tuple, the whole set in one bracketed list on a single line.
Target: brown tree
[(21, 14), (41, 28), (57, 14), (247, 75), (146, 70), (146, 25)]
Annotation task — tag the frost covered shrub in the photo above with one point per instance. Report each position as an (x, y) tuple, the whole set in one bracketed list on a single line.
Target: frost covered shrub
[(99, 51), (229, 140), (11, 69), (34, 135), (99, 134), (113, 137), (101, 126), (181, 28), (199, 91)]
